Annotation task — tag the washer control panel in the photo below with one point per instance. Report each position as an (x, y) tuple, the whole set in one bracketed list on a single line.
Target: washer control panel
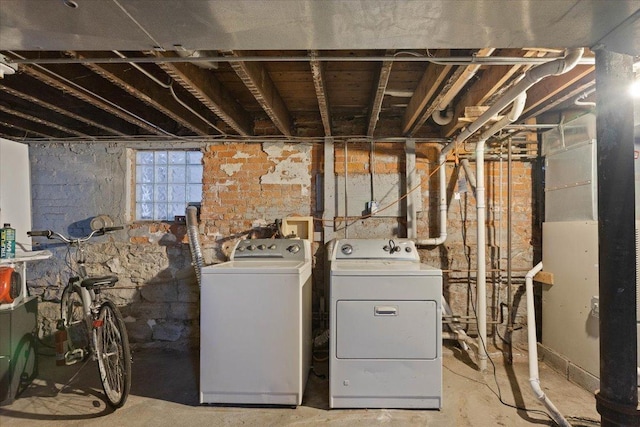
[(388, 249), (292, 249)]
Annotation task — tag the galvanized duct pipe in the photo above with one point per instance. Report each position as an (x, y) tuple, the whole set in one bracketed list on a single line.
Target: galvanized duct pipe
[(194, 242)]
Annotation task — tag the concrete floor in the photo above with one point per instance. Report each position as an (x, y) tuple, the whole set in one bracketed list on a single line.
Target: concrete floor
[(164, 392)]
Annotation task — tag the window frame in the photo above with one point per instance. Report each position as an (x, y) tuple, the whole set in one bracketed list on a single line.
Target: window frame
[(134, 198)]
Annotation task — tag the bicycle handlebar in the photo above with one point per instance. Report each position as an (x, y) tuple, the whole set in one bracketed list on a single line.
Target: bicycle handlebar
[(40, 233), (53, 235)]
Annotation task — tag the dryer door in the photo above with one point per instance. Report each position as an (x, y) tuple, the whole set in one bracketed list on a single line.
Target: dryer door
[(386, 329)]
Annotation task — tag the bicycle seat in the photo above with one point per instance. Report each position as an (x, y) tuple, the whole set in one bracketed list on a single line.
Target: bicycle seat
[(96, 282)]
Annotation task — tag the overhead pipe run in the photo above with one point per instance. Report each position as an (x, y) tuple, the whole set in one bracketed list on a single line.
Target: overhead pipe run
[(531, 77), (534, 375)]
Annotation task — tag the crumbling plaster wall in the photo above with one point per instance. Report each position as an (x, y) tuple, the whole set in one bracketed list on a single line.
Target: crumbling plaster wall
[(246, 186)]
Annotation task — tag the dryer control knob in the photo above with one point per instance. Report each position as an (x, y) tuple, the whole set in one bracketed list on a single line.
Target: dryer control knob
[(262, 247), (272, 246), (251, 247), (294, 249), (240, 249), (347, 249)]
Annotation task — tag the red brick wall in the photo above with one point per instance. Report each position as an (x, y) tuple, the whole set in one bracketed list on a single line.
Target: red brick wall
[(237, 197)]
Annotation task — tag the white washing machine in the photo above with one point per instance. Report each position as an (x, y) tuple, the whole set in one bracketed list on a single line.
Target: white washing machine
[(255, 324), (385, 326)]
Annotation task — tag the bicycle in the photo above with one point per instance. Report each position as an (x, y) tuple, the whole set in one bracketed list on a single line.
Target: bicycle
[(93, 324)]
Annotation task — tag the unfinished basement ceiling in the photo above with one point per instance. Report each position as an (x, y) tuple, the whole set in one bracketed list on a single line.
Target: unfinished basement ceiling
[(378, 68)]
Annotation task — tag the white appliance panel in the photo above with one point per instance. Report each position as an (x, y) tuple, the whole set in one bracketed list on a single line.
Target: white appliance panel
[(386, 329)]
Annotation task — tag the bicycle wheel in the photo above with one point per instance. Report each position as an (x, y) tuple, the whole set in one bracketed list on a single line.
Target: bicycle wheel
[(114, 356), (74, 319)]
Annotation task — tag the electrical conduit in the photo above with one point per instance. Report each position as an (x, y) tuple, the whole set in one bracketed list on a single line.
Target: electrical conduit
[(534, 376)]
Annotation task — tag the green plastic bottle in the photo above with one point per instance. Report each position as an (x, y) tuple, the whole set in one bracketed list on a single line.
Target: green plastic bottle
[(7, 242)]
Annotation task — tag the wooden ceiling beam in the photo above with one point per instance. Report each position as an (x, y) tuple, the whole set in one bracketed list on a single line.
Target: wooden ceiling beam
[(136, 84), (256, 78), (29, 121), (52, 107), (20, 132), (579, 88), (379, 86), (205, 87), (455, 82), (551, 86), (429, 83), (492, 79), (78, 93), (320, 84)]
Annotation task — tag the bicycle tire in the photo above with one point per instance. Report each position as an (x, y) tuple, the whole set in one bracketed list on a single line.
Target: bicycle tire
[(74, 320), (114, 354)]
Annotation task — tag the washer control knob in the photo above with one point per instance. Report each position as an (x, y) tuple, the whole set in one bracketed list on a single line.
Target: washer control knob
[(251, 247), (262, 247), (272, 246), (408, 249), (347, 249), (294, 249)]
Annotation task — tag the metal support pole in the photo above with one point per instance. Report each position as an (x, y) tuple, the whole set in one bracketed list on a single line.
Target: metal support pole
[(617, 399)]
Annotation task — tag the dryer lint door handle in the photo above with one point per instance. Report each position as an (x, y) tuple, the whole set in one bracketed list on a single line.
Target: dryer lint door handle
[(385, 310)]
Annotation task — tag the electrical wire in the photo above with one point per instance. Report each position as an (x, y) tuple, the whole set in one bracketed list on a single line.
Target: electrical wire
[(391, 204)]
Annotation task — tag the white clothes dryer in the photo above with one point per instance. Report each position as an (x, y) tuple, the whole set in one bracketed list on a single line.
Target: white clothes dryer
[(385, 326)]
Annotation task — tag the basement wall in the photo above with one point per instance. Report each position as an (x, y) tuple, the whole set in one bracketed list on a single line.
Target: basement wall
[(246, 187)]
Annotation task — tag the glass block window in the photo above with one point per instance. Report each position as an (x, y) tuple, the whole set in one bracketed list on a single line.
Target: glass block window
[(166, 181)]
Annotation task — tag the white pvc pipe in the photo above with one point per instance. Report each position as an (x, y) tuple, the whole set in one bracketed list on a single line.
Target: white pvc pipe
[(442, 179), (481, 277), (531, 77), (534, 376)]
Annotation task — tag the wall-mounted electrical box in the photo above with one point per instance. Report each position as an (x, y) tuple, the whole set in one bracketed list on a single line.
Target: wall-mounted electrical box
[(300, 227)]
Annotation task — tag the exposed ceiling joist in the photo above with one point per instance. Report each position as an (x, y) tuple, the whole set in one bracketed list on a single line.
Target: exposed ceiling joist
[(12, 130), (379, 86), (42, 122), (52, 107), (553, 85), (205, 87), (427, 87), (582, 86), (320, 84), (83, 95), (142, 87), (257, 80), (492, 79)]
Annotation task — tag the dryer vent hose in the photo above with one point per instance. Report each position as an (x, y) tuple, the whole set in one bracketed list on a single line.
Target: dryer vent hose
[(194, 242)]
